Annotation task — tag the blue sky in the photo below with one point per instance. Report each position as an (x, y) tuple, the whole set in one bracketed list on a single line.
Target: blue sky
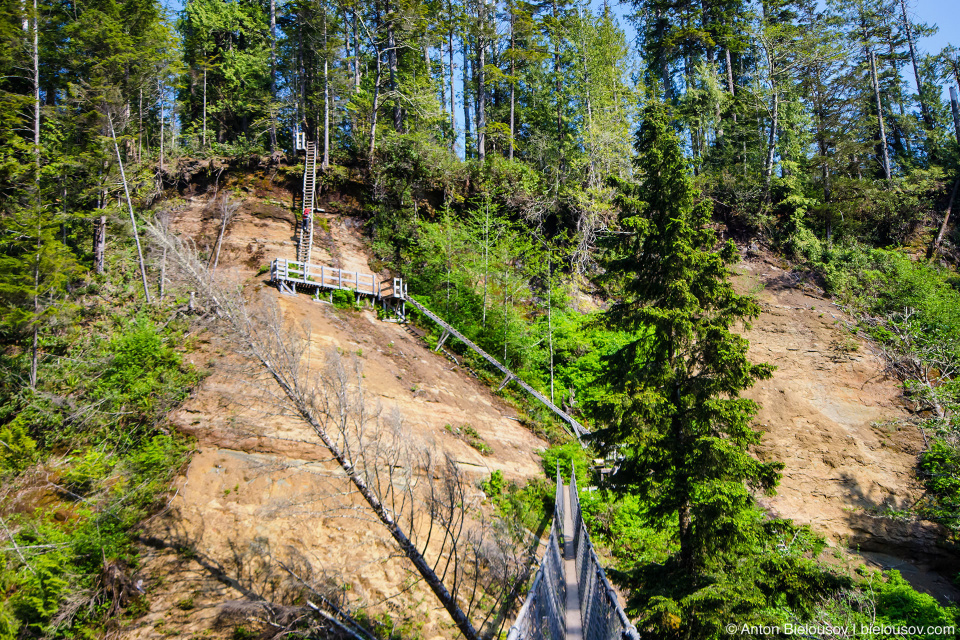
[(943, 13)]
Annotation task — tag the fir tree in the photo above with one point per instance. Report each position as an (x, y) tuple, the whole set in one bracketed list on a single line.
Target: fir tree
[(674, 405)]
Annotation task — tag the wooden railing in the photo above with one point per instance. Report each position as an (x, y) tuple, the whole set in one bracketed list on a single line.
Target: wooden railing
[(303, 273)]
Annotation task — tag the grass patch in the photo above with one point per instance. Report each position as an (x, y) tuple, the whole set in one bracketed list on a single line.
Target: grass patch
[(470, 435)]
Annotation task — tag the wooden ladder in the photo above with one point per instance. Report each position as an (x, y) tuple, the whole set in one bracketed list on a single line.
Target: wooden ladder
[(305, 240)]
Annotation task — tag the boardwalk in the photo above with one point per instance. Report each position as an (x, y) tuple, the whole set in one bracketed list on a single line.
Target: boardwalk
[(571, 616)]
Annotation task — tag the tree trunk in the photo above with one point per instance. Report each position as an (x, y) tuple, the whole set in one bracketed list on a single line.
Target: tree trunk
[(162, 122), (513, 81), (133, 220), (884, 156), (932, 251), (486, 257), (772, 142), (163, 273), (557, 85), (466, 97), (481, 76), (356, 55), (140, 126), (204, 105), (686, 536), (927, 119), (376, 107), (453, 95), (955, 107), (392, 61), (550, 318), (730, 86), (592, 179), (34, 351), (383, 514), (326, 98), (99, 243), (273, 76)]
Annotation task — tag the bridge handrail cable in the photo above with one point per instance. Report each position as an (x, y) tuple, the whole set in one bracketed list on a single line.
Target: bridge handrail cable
[(577, 427), (541, 616), (603, 617)]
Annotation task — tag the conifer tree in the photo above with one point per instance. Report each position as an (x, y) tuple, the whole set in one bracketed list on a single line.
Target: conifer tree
[(674, 407)]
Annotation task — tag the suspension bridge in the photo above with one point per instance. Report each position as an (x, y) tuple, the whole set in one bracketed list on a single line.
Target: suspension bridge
[(570, 597)]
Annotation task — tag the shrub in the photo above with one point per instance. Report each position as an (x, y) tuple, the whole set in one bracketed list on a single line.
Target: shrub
[(940, 468), (90, 469), (344, 299), (567, 456), (17, 449)]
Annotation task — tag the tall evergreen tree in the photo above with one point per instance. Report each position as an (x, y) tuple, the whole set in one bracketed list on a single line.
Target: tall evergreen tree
[(674, 406)]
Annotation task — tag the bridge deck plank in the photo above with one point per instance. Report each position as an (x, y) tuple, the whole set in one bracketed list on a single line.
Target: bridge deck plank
[(574, 624)]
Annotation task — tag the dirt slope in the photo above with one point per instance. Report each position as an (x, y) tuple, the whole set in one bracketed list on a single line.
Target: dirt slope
[(836, 421), (260, 489)]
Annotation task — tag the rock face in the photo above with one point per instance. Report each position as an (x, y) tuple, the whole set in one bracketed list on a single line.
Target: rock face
[(836, 421), (261, 493)]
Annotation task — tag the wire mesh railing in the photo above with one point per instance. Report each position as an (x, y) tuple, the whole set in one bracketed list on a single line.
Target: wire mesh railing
[(542, 614), (601, 614)]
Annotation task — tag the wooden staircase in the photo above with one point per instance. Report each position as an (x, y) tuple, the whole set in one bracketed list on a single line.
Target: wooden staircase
[(305, 239)]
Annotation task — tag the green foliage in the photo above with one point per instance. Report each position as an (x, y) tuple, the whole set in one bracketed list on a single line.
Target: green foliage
[(471, 436), (899, 604), (344, 299), (618, 522), (493, 487), (567, 456), (40, 590), (230, 41), (95, 419), (18, 448), (940, 471), (92, 467), (524, 508)]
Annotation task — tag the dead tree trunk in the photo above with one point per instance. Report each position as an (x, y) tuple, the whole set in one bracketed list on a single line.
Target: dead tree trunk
[(99, 243), (884, 155), (326, 405), (924, 111), (932, 251), (133, 220)]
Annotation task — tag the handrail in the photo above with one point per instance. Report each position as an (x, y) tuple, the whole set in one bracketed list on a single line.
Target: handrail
[(541, 616), (608, 622), (577, 427), (324, 277)]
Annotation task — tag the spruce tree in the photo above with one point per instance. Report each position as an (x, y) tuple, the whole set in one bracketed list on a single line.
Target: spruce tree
[(673, 407)]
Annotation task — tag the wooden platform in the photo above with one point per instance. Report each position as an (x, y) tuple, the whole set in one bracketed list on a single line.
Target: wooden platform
[(291, 276)]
